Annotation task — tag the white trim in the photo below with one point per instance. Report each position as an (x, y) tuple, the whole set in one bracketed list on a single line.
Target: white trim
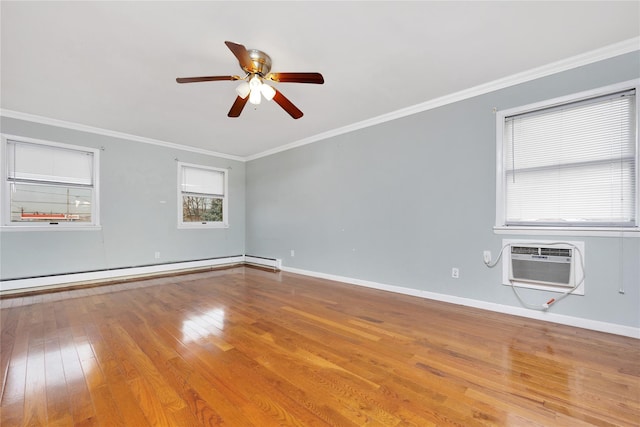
[(573, 231), (595, 325), (21, 228), (606, 52), (50, 282), (100, 131)]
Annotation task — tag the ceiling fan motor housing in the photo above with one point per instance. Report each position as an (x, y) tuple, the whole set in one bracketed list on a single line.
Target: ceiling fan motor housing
[(260, 62)]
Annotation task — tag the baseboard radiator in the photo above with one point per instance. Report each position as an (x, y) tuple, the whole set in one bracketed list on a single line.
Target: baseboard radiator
[(76, 279), (272, 263)]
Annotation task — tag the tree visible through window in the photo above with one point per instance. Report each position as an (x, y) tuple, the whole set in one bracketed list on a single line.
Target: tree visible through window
[(202, 195), (198, 209)]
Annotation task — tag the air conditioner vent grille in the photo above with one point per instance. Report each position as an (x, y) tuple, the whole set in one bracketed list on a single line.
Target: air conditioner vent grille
[(555, 252), (524, 250), (548, 251)]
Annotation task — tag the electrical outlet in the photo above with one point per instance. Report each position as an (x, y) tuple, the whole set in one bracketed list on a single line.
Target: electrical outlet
[(455, 273), (157, 255), (293, 253), (486, 255)]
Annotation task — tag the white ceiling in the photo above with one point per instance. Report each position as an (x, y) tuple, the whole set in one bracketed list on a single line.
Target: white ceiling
[(112, 65)]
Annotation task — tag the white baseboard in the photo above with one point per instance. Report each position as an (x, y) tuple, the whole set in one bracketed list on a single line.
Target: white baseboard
[(54, 281), (562, 319), (51, 282)]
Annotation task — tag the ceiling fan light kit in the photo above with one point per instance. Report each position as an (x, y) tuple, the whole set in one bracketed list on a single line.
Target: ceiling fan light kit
[(254, 90), (267, 91), (257, 66), (243, 90)]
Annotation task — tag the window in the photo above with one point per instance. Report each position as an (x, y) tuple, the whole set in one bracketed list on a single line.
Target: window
[(570, 163), (48, 184), (202, 196)]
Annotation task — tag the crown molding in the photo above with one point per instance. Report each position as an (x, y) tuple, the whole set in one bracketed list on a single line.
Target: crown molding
[(621, 48), (106, 132)]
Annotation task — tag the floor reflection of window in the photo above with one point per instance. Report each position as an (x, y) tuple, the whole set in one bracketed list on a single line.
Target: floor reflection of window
[(58, 367), (203, 325)]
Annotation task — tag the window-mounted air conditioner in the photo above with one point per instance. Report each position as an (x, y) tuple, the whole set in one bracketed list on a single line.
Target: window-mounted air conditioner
[(556, 267)]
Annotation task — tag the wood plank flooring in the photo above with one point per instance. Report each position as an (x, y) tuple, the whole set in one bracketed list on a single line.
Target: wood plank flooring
[(246, 347)]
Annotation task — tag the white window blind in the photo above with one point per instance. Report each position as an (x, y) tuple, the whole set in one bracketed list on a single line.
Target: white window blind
[(202, 181), (35, 162), (572, 165)]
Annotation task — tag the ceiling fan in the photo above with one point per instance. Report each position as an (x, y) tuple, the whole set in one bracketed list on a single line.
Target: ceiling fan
[(257, 66)]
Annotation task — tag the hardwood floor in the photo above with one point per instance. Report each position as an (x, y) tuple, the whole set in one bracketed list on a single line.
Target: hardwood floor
[(246, 347)]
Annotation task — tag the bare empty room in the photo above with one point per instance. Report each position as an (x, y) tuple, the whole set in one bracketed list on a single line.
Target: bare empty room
[(310, 213)]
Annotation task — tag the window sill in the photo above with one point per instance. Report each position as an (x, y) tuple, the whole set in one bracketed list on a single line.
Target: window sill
[(14, 228), (201, 226), (572, 231)]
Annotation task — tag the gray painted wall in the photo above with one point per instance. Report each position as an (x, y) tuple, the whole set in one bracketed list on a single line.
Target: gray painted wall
[(135, 179), (402, 202), (399, 203)]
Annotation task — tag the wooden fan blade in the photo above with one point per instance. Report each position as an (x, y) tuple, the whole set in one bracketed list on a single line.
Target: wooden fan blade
[(315, 78), (241, 53), (205, 79), (287, 105), (237, 107)]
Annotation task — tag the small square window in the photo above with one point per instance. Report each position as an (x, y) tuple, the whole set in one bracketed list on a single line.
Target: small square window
[(202, 196)]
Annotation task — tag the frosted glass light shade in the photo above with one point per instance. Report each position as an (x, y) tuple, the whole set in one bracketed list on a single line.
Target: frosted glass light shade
[(243, 90), (268, 92), (254, 95)]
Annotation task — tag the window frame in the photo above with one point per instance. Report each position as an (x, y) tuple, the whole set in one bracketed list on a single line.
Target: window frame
[(5, 212), (225, 199), (501, 227)]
